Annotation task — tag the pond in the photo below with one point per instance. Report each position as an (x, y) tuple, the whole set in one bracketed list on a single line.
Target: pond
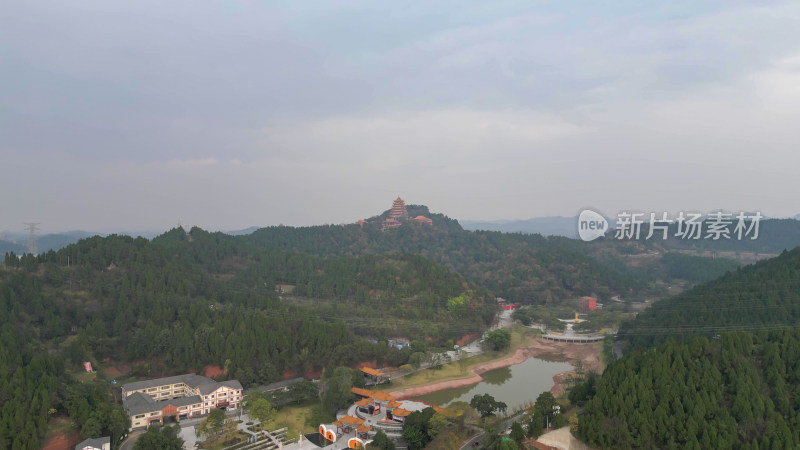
[(516, 385)]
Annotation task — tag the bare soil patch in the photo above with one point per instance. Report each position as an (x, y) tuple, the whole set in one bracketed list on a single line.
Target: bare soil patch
[(213, 371), (63, 441)]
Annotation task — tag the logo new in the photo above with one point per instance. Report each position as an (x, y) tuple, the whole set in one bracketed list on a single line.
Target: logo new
[(591, 225)]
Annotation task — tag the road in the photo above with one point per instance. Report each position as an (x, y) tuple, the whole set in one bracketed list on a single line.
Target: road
[(472, 442), (130, 440), (506, 426)]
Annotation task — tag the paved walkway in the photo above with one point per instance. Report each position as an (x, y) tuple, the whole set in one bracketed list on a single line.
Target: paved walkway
[(563, 439), (130, 440)]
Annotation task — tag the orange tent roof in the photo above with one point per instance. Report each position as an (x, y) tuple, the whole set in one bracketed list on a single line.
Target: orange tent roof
[(378, 395), (363, 428), (365, 402), (382, 396), (393, 404), (350, 420), (361, 392), (373, 372), (400, 412), (338, 423)]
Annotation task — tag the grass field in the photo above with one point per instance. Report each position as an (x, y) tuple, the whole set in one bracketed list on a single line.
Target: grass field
[(294, 417), (219, 443)]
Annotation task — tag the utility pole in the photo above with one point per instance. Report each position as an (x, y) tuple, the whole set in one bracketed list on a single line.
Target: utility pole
[(32, 237)]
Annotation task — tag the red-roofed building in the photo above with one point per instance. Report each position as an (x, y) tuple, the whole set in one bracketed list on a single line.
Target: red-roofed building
[(423, 220), (390, 223)]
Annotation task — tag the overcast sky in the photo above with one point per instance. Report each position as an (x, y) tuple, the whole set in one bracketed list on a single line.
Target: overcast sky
[(131, 115)]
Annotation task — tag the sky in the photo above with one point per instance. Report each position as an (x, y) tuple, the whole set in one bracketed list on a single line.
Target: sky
[(121, 115)]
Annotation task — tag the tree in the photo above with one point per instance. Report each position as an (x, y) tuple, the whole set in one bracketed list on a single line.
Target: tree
[(337, 384), (536, 425), (213, 423), (262, 410), (574, 423), (415, 437), (252, 397), (416, 428), (381, 442), (93, 427), (498, 339), (303, 390), (118, 422), (517, 433), (523, 315), (544, 404), (436, 424), (160, 438), (416, 359), (507, 444), (486, 405)]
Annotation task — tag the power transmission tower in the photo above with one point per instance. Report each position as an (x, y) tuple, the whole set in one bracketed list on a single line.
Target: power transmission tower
[(32, 237)]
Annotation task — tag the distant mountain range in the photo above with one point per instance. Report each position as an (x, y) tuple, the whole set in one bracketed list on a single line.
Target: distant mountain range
[(17, 242), (546, 226)]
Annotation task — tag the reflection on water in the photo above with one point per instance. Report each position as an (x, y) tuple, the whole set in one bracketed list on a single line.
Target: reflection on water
[(497, 377), (516, 385)]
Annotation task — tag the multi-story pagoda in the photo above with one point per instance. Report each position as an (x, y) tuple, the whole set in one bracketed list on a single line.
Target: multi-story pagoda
[(398, 209)]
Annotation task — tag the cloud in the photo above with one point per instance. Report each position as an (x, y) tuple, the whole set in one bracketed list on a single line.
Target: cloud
[(435, 137), (254, 113)]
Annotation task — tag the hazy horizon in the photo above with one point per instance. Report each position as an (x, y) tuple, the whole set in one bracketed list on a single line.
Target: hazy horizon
[(133, 115)]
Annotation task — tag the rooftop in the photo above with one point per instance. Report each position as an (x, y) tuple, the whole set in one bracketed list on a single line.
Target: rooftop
[(139, 403), (94, 443), (373, 372), (204, 384)]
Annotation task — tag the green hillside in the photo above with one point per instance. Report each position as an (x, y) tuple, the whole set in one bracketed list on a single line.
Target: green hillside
[(187, 300), (524, 268), (739, 391), (763, 295)]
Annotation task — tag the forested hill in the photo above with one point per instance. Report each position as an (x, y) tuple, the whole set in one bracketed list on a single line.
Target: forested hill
[(761, 296), (528, 268), (774, 236), (739, 391), (187, 300)]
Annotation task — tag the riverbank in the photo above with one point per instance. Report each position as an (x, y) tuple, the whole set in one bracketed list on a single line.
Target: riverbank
[(588, 354)]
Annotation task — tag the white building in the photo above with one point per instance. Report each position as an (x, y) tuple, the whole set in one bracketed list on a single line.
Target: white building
[(166, 400)]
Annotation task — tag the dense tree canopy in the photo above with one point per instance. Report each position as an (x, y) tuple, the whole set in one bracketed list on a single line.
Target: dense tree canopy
[(160, 438), (764, 295), (738, 391)]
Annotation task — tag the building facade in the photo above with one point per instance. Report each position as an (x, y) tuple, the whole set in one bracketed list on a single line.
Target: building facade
[(167, 400)]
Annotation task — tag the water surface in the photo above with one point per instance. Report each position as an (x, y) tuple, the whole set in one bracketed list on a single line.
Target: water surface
[(516, 385)]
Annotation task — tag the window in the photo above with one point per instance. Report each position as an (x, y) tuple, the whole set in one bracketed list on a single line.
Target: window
[(139, 416)]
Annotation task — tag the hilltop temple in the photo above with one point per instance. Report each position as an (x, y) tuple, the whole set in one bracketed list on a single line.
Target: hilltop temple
[(398, 209), (398, 215)]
